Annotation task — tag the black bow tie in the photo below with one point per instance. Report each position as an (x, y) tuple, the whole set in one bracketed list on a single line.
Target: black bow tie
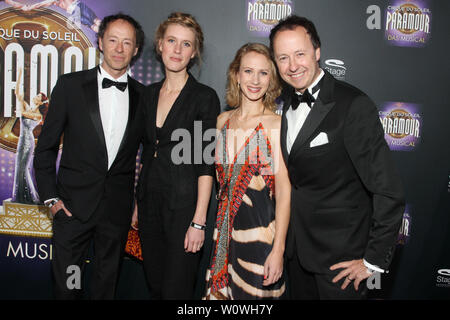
[(106, 83), (307, 97)]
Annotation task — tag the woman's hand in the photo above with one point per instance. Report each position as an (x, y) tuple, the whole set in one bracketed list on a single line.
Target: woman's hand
[(193, 241), (273, 268)]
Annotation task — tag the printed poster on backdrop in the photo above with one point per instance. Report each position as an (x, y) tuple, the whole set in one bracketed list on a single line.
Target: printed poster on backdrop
[(39, 41)]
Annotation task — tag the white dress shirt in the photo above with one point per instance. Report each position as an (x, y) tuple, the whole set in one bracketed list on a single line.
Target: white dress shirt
[(114, 106)]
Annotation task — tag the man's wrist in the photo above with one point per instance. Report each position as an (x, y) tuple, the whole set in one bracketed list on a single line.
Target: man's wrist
[(51, 202), (372, 268)]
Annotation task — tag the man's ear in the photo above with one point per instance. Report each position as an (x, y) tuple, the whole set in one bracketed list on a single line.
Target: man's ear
[(100, 44), (317, 54)]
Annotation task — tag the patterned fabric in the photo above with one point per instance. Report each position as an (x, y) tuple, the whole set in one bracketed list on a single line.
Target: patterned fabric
[(245, 225), (24, 190), (133, 246)]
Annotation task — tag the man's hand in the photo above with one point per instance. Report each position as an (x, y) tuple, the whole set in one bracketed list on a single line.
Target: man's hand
[(354, 270), (58, 206)]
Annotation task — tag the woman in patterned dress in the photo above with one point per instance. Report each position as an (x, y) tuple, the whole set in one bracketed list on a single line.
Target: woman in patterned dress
[(250, 233)]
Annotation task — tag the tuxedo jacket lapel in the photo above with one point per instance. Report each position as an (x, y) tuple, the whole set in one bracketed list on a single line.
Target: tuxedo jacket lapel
[(153, 108), (90, 88), (319, 111), (315, 117), (284, 128), (133, 98)]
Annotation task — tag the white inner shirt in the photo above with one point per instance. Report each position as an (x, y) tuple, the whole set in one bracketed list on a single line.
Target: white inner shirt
[(114, 106), (296, 118)]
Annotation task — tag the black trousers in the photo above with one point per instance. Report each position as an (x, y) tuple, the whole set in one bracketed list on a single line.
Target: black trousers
[(71, 241), (305, 285), (171, 272)]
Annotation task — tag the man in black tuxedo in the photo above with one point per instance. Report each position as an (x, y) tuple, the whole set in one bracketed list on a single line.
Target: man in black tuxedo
[(91, 196), (347, 200)]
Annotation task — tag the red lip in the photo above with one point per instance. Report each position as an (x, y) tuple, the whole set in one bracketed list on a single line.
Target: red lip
[(175, 59)]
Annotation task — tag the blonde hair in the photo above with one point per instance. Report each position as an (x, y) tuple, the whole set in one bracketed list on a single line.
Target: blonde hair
[(185, 20), (233, 92)]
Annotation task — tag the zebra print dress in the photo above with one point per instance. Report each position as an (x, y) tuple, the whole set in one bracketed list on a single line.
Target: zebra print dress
[(245, 224)]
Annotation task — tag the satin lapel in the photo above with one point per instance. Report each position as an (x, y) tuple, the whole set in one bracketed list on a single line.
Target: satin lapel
[(315, 117), (152, 106), (284, 128), (320, 109), (90, 88), (133, 98)]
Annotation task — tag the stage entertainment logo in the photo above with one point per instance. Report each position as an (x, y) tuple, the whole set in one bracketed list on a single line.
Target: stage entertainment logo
[(402, 124), (336, 67), (408, 23), (263, 15), (443, 278), (448, 186)]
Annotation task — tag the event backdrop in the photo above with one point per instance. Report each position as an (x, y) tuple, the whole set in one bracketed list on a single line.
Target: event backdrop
[(394, 50)]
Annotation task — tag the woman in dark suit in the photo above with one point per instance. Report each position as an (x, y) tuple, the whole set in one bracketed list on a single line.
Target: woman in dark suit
[(176, 179)]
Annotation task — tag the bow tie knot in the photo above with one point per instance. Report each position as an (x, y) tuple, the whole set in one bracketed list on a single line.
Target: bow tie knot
[(106, 83), (305, 97)]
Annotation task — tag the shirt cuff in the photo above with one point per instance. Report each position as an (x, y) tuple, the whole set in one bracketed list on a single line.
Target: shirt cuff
[(48, 200), (373, 268)]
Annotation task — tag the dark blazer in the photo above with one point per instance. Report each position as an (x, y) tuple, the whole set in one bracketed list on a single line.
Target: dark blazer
[(195, 103), (83, 178), (347, 199)]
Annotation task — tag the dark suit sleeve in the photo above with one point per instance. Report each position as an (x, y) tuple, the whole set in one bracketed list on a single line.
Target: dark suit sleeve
[(209, 110), (48, 143), (367, 148)]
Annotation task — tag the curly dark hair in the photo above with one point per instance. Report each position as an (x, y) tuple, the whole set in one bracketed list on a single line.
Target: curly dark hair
[(140, 35)]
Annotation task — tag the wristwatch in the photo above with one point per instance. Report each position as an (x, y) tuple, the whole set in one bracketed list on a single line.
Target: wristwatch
[(197, 226)]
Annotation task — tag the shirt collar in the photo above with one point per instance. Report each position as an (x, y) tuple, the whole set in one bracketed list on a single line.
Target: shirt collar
[(103, 74), (310, 88)]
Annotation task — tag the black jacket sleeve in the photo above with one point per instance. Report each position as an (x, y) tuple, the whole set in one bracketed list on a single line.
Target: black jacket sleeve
[(370, 155), (208, 112), (47, 148)]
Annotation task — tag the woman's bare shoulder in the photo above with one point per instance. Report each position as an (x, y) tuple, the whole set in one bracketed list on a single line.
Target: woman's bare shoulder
[(222, 118), (271, 120)]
